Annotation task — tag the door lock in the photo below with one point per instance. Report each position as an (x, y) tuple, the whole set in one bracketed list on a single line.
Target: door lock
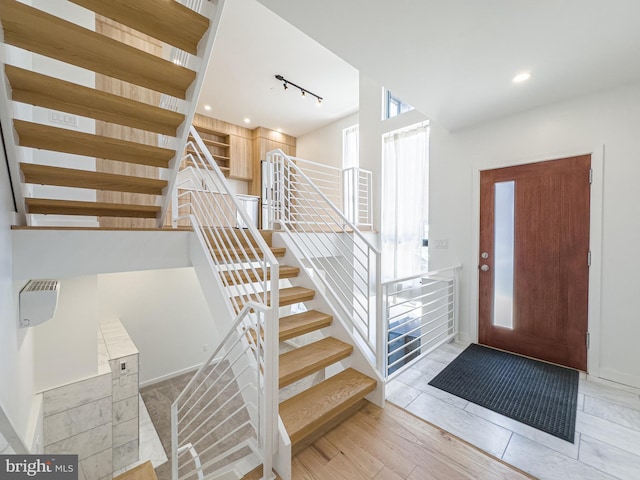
[(484, 268), (484, 255)]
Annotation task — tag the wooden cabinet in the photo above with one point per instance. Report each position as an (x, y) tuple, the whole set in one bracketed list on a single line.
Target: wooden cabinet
[(240, 167)]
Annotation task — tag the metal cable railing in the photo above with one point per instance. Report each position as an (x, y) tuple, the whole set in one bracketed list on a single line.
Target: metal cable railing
[(228, 412), (419, 315), (341, 258)]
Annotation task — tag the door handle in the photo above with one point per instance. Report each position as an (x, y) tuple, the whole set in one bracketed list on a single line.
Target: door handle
[(484, 268)]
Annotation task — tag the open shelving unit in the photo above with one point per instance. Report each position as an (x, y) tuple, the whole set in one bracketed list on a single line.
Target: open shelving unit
[(219, 145)]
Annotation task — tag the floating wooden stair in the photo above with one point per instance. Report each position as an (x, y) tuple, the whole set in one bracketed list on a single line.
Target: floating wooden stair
[(232, 277), (63, 140), (124, 53), (48, 92), (68, 207), (34, 30), (170, 22), (243, 255), (316, 410), (287, 296), (68, 177), (302, 323), (311, 358)]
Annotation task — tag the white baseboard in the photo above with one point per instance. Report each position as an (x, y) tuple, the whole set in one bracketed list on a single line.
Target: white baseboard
[(616, 379), (169, 376)]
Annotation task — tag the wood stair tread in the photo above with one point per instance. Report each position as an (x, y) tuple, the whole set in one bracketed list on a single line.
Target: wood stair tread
[(288, 296), (240, 255), (234, 277), (98, 209), (170, 22), (235, 236), (48, 92), (311, 358), (298, 324), (143, 471), (36, 31), (68, 177), (308, 411), (36, 135)]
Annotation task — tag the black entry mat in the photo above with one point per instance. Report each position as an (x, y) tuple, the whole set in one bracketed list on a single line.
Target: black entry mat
[(539, 394)]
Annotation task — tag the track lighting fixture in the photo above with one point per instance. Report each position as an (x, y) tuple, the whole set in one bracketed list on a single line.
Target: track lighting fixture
[(303, 91)]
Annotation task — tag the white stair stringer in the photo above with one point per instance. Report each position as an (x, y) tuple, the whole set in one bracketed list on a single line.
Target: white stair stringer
[(359, 360)]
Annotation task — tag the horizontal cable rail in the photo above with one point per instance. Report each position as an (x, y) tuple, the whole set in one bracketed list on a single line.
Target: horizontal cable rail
[(420, 314), (349, 189), (218, 419), (341, 258), (245, 363)]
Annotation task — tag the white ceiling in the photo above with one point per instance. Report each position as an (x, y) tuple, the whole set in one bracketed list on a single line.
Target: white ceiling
[(252, 46), (453, 60)]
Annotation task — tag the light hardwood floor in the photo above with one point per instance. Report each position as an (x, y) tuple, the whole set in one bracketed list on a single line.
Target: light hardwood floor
[(390, 444)]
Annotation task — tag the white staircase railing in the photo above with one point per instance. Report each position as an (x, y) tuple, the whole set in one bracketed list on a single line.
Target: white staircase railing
[(419, 315), (339, 255), (350, 189), (228, 413)]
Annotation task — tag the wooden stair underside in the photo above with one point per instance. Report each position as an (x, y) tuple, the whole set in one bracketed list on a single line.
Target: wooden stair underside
[(48, 92), (68, 177), (36, 31), (97, 209), (315, 410), (168, 21), (36, 135), (300, 362)]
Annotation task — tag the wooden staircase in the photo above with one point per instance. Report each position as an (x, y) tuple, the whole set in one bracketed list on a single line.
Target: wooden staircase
[(131, 170), (314, 411)]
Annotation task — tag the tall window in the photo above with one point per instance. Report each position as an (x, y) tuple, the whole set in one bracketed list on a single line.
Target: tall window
[(350, 162), (405, 209), (393, 106), (351, 147)]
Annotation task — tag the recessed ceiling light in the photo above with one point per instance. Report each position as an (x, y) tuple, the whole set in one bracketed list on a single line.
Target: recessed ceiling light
[(521, 77), (247, 120), (207, 107)]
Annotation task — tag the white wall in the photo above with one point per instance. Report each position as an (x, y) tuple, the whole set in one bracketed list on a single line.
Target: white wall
[(66, 347), (166, 315), (583, 125), (16, 345), (325, 144)]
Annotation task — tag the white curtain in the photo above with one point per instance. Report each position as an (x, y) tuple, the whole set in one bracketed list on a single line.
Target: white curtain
[(405, 198)]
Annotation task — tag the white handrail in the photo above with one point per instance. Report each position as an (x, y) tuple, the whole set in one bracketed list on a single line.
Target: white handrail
[(247, 272), (420, 313), (342, 258)]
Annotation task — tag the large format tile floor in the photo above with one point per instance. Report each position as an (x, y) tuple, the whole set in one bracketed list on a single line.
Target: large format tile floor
[(607, 442)]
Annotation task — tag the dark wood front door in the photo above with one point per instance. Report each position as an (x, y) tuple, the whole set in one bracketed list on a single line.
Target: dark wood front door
[(533, 265)]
